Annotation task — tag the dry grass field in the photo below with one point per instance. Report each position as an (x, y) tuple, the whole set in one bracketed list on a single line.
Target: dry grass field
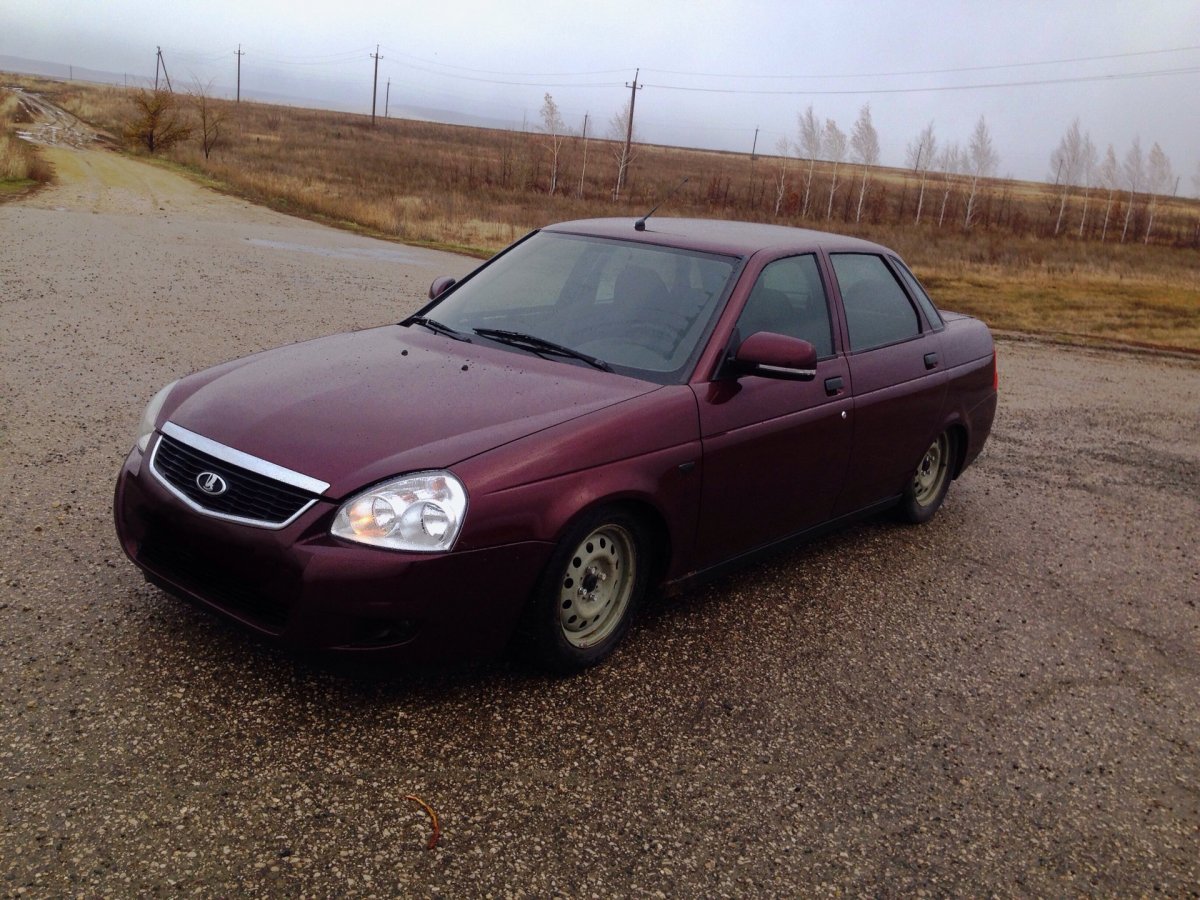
[(474, 190), (20, 166)]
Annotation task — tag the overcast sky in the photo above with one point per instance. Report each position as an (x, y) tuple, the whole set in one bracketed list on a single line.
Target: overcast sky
[(713, 71)]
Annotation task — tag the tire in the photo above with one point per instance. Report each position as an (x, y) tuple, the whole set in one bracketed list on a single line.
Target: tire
[(589, 592), (926, 489)]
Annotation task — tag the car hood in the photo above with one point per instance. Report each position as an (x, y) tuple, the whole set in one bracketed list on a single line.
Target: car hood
[(353, 409)]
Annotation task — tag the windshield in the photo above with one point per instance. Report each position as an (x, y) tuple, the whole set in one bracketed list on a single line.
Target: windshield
[(640, 309)]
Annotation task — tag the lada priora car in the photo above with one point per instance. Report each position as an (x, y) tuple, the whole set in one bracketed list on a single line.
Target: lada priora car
[(605, 408)]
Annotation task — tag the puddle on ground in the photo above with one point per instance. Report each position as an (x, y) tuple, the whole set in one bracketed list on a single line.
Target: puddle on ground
[(385, 254)]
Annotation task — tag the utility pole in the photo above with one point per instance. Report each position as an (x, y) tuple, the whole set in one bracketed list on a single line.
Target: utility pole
[(239, 56), (387, 97), (375, 84), (754, 146), (162, 62), (633, 89)]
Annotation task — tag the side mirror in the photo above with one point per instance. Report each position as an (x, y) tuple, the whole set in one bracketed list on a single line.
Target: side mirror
[(775, 356), (441, 285)]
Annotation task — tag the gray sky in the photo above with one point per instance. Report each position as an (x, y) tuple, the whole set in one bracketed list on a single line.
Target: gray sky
[(497, 60)]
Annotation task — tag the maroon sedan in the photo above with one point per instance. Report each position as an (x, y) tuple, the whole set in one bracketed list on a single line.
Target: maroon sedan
[(603, 408)]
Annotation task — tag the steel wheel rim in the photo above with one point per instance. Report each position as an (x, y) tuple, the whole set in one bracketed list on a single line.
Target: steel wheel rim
[(597, 585), (932, 472)]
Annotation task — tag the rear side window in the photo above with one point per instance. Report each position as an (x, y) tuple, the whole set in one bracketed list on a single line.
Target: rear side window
[(918, 294), (878, 311)]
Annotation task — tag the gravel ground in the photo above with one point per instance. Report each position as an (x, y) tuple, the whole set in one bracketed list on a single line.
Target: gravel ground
[(1004, 701)]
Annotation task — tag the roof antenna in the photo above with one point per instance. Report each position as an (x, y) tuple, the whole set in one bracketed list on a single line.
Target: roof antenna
[(640, 224)]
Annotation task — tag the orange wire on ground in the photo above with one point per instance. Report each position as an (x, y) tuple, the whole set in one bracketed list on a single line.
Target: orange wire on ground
[(437, 831)]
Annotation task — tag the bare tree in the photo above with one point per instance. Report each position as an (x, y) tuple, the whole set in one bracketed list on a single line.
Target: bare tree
[(583, 167), (864, 141), (812, 143), (982, 159), (1134, 172), (950, 163), (158, 123), (618, 128), (1110, 180), (1066, 163), (555, 129), (1088, 175), (783, 147), (835, 151), (1159, 178), (921, 152), (212, 116)]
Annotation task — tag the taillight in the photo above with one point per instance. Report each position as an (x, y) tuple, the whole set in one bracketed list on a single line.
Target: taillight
[(995, 373)]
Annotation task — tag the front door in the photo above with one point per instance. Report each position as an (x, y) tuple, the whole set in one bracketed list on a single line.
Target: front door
[(775, 451)]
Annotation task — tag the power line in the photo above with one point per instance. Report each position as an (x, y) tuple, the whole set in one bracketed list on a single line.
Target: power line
[(541, 84), (433, 62), (935, 88), (327, 59), (1019, 65)]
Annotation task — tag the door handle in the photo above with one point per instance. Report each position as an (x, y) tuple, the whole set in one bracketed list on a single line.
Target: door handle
[(931, 360), (833, 386)]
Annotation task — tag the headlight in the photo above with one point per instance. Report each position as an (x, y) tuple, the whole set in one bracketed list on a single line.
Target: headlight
[(150, 416), (422, 512)]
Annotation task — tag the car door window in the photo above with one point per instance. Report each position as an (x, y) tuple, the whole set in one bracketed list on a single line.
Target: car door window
[(788, 298), (878, 311), (932, 316)]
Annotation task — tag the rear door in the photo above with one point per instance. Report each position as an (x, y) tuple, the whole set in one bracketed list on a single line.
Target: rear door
[(896, 375), (775, 451)]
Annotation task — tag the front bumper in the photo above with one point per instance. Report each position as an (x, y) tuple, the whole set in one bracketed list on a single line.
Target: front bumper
[(301, 587)]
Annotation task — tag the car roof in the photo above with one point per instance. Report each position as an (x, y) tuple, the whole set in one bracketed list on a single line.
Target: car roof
[(717, 235)]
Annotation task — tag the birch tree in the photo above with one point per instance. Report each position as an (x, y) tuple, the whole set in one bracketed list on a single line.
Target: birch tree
[(618, 129), (555, 129), (1133, 170), (835, 151), (982, 159), (864, 141), (949, 165), (1158, 180), (921, 153), (1110, 180), (812, 144), (783, 148), (1066, 162), (583, 167), (1088, 175)]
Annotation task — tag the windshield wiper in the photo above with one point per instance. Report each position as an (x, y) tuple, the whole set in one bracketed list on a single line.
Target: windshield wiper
[(435, 325), (539, 345)]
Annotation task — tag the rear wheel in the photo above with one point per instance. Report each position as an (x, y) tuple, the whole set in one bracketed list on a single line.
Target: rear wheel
[(927, 487), (589, 592)]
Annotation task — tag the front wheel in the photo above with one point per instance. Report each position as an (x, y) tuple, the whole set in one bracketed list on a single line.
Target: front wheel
[(927, 487), (587, 596)]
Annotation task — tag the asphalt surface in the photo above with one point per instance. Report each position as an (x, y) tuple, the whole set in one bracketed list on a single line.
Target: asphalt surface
[(1005, 701)]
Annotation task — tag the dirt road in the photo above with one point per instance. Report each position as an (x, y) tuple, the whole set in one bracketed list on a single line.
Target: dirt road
[(1006, 701), (51, 125)]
